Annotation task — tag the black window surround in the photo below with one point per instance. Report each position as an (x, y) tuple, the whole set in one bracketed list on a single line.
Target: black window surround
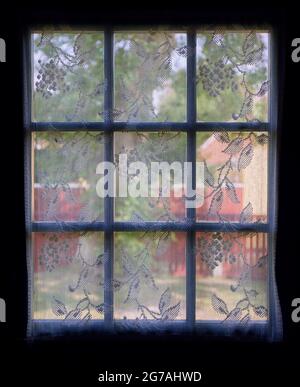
[(190, 226)]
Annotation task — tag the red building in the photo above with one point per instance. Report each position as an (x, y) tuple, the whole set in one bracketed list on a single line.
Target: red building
[(212, 151)]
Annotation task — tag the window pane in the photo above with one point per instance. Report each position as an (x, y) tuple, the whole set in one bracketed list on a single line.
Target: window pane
[(236, 169), (149, 276), (68, 76), (231, 276), (148, 148), (68, 276), (232, 76), (150, 76), (65, 176)]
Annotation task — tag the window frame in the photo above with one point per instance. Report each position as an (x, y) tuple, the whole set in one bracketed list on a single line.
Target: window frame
[(108, 226)]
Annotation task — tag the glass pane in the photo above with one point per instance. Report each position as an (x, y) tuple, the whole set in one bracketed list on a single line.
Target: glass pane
[(232, 76), (68, 76), (149, 148), (231, 276), (68, 276), (149, 276), (236, 170), (150, 76), (65, 176)]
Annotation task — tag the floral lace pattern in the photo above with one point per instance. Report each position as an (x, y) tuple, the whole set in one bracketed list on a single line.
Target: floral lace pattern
[(69, 276), (156, 81), (232, 76), (68, 76), (238, 289), (149, 267), (65, 179)]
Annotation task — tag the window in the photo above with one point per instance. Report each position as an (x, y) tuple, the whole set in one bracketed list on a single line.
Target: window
[(197, 95)]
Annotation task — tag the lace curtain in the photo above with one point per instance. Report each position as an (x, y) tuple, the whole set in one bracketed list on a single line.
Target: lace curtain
[(144, 278)]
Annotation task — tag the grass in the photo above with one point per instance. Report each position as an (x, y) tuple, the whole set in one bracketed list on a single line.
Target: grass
[(55, 284)]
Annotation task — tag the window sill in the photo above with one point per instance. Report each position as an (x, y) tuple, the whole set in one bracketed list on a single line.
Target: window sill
[(48, 328)]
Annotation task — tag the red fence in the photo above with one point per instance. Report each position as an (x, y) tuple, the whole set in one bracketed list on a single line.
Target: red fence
[(66, 209)]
